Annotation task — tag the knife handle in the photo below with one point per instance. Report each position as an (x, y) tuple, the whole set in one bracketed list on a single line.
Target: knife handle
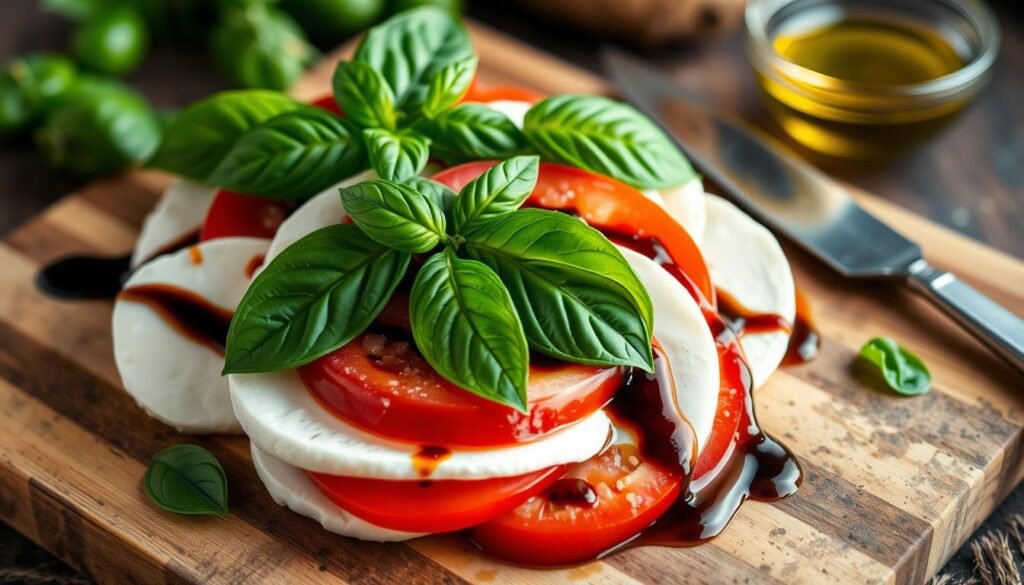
[(993, 325)]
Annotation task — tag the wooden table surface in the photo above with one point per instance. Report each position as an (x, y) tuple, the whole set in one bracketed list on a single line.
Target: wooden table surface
[(970, 178)]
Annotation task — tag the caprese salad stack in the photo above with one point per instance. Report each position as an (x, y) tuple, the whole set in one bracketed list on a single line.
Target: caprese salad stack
[(525, 344)]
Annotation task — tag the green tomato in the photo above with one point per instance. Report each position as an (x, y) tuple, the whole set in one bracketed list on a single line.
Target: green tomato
[(28, 86), (328, 22), (16, 112), (114, 42), (454, 7), (97, 128), (261, 47)]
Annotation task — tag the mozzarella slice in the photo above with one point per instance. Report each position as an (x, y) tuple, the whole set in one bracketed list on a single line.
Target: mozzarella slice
[(321, 210), (180, 211), (747, 262), (173, 378), (291, 487), (692, 359), (283, 419)]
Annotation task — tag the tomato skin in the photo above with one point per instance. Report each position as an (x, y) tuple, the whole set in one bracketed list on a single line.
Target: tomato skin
[(328, 103), (540, 533), (486, 94), (626, 215), (433, 506), (236, 215)]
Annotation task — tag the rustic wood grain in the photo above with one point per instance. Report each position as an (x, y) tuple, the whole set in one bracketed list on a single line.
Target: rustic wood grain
[(893, 485)]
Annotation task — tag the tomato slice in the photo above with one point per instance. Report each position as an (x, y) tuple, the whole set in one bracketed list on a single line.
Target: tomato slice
[(495, 93), (598, 505), (328, 103), (433, 506), (731, 406), (234, 214), (624, 214), (380, 383)]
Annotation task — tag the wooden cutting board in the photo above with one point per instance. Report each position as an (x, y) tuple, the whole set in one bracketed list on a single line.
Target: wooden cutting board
[(893, 485)]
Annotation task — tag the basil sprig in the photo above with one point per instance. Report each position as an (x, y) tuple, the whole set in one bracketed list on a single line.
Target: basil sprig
[(187, 479), (894, 366), (505, 281)]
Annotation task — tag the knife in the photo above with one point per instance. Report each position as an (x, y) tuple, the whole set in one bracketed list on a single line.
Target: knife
[(802, 203)]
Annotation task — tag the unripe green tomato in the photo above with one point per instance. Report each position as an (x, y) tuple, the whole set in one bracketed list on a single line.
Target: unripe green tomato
[(261, 47), (328, 22), (28, 86), (113, 42), (16, 112), (454, 7), (98, 128)]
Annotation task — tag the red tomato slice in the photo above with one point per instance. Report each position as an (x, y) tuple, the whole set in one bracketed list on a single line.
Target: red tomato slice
[(234, 214), (599, 504), (624, 214), (494, 93), (731, 406), (380, 383), (328, 103), (433, 506)]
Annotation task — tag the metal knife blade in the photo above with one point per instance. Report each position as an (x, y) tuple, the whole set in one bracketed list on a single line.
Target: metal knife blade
[(799, 201)]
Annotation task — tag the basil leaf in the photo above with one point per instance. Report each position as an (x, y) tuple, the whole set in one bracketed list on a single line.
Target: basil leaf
[(293, 156), (578, 298), (897, 367), (473, 132), (257, 45), (608, 137), (187, 479), (499, 190), (200, 137), (465, 326), (316, 296), (396, 156), (395, 215), (410, 48), (364, 95), (449, 85), (440, 195), (76, 9)]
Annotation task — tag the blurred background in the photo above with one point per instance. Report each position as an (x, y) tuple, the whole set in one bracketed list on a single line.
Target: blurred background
[(61, 58)]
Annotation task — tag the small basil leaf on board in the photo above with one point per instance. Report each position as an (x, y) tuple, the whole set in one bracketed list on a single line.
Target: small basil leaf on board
[(465, 326), (314, 297), (395, 215), (395, 156), (608, 137), (448, 85), (364, 95), (409, 49), (187, 479), (440, 195), (473, 132), (499, 190), (199, 137), (897, 367), (292, 156), (576, 295)]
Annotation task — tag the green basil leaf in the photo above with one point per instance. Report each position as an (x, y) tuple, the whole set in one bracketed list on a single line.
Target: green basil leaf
[(499, 190), (77, 9), (449, 85), (187, 479), (364, 95), (257, 45), (314, 297), (465, 326), (293, 156), (200, 137), (441, 196), (395, 215), (395, 156), (577, 296), (608, 137), (410, 48), (473, 132), (897, 367)]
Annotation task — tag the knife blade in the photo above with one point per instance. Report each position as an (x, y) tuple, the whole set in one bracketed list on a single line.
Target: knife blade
[(803, 204)]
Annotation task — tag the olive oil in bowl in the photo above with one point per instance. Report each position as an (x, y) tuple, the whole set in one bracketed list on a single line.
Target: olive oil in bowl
[(866, 79)]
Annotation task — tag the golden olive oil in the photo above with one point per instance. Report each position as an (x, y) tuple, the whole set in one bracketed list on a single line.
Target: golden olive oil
[(854, 107)]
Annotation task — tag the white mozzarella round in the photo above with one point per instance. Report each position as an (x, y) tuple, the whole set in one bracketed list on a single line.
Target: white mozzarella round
[(685, 204), (683, 334), (321, 210), (292, 488), (175, 379), (179, 211), (283, 419), (747, 262), (515, 110)]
